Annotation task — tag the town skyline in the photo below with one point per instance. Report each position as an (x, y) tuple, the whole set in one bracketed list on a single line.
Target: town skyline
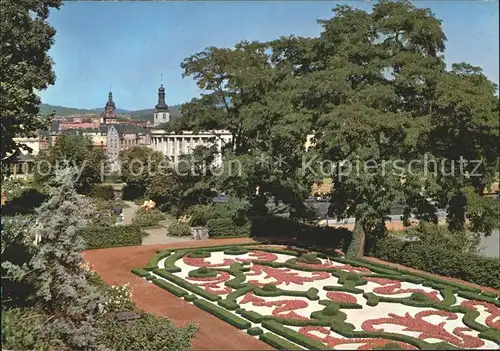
[(93, 50)]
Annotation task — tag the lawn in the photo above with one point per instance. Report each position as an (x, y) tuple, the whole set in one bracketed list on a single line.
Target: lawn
[(299, 300)]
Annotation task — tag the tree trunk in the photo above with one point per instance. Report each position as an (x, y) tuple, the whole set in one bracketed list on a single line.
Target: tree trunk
[(357, 245)]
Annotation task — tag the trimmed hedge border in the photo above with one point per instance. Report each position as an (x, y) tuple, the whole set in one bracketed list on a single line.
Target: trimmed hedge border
[(294, 336), (153, 262), (140, 272), (331, 316), (223, 314), (254, 331), (186, 285), (171, 288), (479, 270), (278, 343)]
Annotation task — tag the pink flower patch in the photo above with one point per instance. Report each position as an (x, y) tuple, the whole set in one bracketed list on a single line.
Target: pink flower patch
[(393, 287), (341, 297), (493, 320), (283, 275), (330, 341), (282, 306), (200, 262), (427, 329), (213, 284), (258, 255)]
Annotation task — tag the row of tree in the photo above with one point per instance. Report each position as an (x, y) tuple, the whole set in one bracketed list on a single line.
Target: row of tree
[(372, 87)]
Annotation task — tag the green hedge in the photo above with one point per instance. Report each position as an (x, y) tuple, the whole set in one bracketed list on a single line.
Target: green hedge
[(186, 285), (179, 229), (226, 316), (105, 192), (148, 218), (97, 237), (440, 260), (225, 227), (305, 234), (255, 331), (278, 343), (294, 336), (171, 288)]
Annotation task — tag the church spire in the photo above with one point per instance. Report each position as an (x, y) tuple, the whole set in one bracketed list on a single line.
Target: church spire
[(161, 105)]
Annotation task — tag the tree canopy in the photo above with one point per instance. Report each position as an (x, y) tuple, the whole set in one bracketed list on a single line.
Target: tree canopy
[(26, 67), (374, 91)]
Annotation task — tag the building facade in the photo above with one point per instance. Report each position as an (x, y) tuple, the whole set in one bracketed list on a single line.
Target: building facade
[(173, 145), (120, 137)]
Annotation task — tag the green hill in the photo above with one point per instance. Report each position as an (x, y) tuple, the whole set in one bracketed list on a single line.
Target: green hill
[(46, 109), (145, 114)]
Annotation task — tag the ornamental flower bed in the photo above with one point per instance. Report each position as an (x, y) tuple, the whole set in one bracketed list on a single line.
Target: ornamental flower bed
[(320, 302)]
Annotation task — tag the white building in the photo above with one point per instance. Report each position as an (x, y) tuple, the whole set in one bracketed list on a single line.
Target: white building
[(173, 145)]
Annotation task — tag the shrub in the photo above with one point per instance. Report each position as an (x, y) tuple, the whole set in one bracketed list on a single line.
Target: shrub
[(179, 229), (432, 234), (440, 260), (119, 298), (104, 215), (147, 333), (306, 235), (148, 218), (21, 330), (200, 215), (97, 237), (227, 227), (25, 203), (105, 192)]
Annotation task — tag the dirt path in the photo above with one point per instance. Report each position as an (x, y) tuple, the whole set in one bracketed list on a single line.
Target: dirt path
[(129, 212), (114, 266)]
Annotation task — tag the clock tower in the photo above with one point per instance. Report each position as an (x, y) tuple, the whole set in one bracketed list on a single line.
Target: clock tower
[(161, 114)]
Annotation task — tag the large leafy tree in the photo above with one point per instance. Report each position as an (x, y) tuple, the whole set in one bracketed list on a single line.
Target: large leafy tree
[(25, 40), (77, 151), (189, 182), (139, 164), (250, 91), (380, 94)]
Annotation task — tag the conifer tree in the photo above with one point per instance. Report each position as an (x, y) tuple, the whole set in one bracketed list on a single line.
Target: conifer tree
[(58, 274)]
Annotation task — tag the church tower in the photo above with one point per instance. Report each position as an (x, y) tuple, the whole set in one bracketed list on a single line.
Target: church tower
[(161, 114), (109, 110)]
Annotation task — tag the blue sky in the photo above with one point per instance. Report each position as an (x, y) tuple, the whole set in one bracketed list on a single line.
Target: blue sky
[(129, 44)]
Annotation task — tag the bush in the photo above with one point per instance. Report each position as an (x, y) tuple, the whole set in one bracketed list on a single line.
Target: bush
[(300, 233), (25, 203), (148, 218), (97, 237), (21, 330), (147, 333), (432, 234), (200, 215), (179, 229), (227, 227), (105, 192), (440, 260)]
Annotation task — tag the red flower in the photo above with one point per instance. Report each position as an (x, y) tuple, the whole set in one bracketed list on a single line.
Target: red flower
[(284, 275), (281, 306), (493, 310), (393, 287), (200, 262), (341, 297), (258, 255), (212, 284), (367, 343), (427, 329)]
